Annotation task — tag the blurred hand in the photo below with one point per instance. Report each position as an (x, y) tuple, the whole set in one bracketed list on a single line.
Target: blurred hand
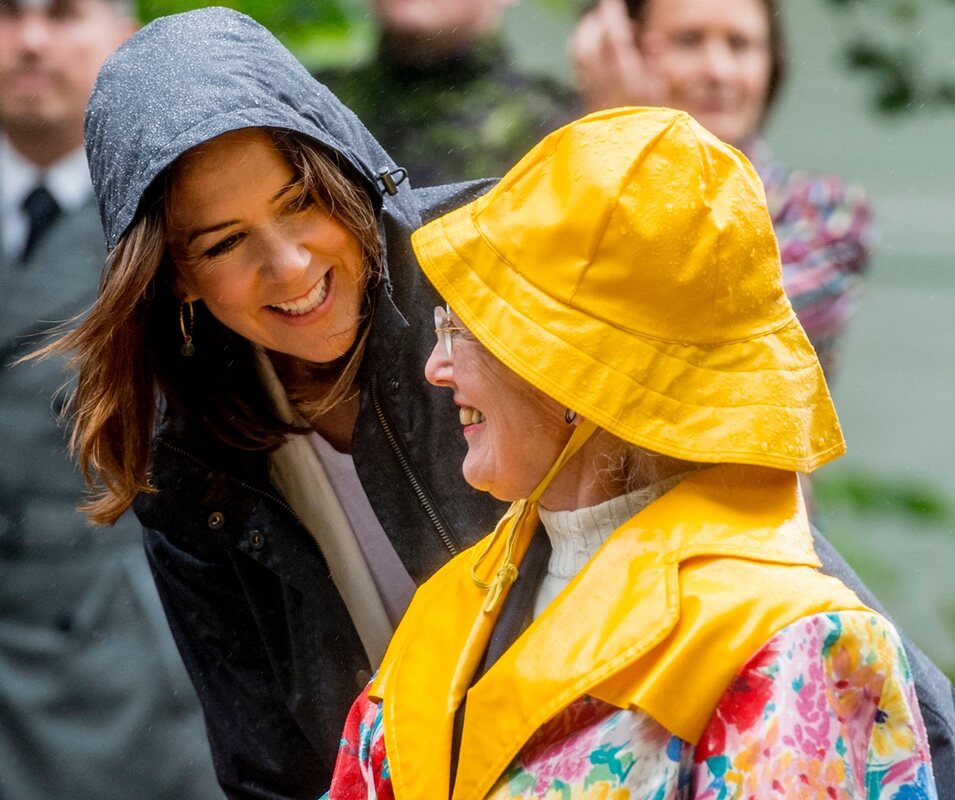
[(612, 64)]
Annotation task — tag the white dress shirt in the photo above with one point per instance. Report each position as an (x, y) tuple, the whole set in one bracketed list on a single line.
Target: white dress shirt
[(67, 179)]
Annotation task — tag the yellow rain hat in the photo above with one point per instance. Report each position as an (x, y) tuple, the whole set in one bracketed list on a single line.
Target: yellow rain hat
[(627, 267)]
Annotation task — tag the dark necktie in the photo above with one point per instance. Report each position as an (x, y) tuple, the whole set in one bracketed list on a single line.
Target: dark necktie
[(41, 210)]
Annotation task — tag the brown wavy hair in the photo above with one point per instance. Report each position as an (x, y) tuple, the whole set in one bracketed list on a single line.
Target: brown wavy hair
[(127, 360)]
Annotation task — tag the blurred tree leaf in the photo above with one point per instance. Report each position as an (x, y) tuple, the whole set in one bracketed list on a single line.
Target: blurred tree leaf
[(891, 71), (322, 33), (563, 6), (867, 493), (281, 14), (945, 91), (904, 10), (896, 62)]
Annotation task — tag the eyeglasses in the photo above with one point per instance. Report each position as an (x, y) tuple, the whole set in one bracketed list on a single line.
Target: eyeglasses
[(444, 327)]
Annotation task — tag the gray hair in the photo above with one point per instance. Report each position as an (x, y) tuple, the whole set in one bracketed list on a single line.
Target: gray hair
[(633, 467)]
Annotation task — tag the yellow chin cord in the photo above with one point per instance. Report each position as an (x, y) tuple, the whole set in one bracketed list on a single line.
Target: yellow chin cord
[(507, 572)]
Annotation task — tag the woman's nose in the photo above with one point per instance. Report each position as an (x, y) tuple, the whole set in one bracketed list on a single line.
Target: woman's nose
[(717, 60), (284, 257), (33, 30), (438, 368)]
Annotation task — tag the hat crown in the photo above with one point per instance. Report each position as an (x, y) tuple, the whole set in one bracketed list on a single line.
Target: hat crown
[(645, 221)]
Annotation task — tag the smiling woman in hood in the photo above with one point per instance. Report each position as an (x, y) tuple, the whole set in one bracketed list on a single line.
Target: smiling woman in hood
[(216, 158), (250, 380)]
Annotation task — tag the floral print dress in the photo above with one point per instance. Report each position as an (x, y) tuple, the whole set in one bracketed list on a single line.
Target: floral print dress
[(826, 709)]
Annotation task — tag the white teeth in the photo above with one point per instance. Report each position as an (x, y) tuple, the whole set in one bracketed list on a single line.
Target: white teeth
[(305, 304), (470, 416)]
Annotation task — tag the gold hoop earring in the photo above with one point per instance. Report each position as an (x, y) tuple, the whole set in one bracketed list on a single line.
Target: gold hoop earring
[(188, 349)]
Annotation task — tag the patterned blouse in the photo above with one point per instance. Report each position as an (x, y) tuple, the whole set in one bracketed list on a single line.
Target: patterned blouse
[(826, 709), (824, 229)]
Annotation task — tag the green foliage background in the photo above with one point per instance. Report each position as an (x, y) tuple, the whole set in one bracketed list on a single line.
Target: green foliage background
[(887, 41), (319, 32)]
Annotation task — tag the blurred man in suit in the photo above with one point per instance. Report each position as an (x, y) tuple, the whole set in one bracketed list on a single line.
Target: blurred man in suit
[(94, 701)]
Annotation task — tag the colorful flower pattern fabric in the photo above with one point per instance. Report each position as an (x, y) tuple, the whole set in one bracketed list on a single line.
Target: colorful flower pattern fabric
[(826, 709)]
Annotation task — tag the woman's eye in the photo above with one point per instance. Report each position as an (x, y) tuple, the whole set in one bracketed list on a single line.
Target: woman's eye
[(740, 44), (227, 244), (686, 39)]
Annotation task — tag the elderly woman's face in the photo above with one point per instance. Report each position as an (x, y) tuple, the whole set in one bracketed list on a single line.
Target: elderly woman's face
[(514, 432), (268, 261)]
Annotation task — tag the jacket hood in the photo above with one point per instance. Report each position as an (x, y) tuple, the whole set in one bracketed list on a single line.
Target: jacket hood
[(190, 77)]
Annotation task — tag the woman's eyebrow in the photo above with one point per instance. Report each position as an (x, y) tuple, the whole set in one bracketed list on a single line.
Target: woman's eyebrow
[(210, 229)]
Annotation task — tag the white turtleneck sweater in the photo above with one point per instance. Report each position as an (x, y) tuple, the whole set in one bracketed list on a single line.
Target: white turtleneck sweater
[(577, 535)]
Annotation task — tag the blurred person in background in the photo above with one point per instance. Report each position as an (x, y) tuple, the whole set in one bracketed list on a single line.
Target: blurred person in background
[(442, 94), (724, 63), (94, 700)]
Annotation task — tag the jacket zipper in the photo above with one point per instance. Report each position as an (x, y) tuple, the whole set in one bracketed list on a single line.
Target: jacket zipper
[(397, 449)]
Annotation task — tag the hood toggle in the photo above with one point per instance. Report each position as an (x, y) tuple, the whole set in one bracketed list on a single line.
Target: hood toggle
[(391, 178)]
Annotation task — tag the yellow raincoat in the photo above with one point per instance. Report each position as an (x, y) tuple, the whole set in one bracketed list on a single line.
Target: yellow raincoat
[(680, 596)]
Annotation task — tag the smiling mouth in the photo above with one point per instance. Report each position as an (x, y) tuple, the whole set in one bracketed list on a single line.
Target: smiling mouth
[(716, 102), (28, 78), (470, 416), (309, 302)]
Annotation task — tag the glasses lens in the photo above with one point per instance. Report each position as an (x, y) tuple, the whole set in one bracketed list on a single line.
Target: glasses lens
[(442, 323)]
